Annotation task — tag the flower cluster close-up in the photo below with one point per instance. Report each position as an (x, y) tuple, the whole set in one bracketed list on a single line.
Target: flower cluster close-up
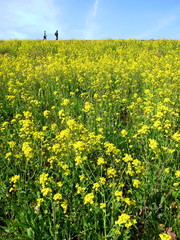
[(89, 139)]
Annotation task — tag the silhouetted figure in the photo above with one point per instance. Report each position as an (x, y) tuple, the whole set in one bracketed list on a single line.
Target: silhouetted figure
[(45, 36), (56, 34)]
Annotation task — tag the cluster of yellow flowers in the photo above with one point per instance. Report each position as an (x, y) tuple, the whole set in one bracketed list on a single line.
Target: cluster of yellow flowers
[(126, 220)]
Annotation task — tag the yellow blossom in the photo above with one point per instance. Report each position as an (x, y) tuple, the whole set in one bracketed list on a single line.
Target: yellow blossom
[(80, 159), (14, 179), (177, 173), (157, 124), (124, 133), (82, 177), (12, 144), (144, 130), (125, 219), (27, 150), (102, 205), (98, 119), (102, 180), (111, 148), (88, 107), (46, 113), (176, 136), (100, 161), (175, 184), (43, 179), (27, 114), (54, 127), (79, 146), (153, 144), (65, 102), (166, 170), (89, 198), (64, 205), (136, 183), (72, 124), (118, 195), (8, 155), (80, 189), (39, 201), (127, 158), (59, 184), (111, 172), (57, 196), (96, 186), (46, 191), (164, 236)]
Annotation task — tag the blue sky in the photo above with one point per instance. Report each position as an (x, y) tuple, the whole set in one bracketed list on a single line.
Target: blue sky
[(90, 19)]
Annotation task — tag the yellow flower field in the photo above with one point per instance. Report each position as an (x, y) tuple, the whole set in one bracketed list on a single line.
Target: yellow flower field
[(89, 139)]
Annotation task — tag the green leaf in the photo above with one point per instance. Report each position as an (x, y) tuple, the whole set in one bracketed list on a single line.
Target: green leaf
[(30, 233)]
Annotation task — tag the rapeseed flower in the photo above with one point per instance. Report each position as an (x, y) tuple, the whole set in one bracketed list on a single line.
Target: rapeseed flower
[(177, 173), (12, 144), (102, 180), (153, 144), (176, 136), (57, 196), (14, 179), (46, 113), (125, 219), (27, 114), (39, 201), (111, 172), (64, 205), (46, 191), (79, 146), (118, 195), (144, 130), (65, 102), (80, 189), (127, 158), (175, 184), (166, 170), (124, 133), (136, 183), (89, 198), (101, 161), (43, 178), (164, 236), (102, 205), (88, 107), (111, 148), (79, 159), (96, 186), (27, 150)]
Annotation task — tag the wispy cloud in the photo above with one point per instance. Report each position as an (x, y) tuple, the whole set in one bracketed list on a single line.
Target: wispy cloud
[(26, 18), (91, 24), (95, 8), (162, 24)]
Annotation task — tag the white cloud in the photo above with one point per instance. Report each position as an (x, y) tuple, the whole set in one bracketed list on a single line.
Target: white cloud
[(95, 8), (91, 24), (162, 24), (26, 18)]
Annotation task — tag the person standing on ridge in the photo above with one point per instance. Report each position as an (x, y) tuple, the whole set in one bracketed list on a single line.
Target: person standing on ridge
[(56, 34), (45, 36)]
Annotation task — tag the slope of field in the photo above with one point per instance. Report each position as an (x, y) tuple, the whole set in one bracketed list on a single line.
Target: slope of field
[(89, 140)]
